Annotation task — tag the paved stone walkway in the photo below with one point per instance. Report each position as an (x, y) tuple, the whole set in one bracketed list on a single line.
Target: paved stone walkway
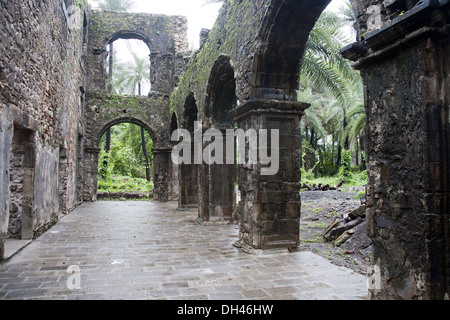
[(148, 250)]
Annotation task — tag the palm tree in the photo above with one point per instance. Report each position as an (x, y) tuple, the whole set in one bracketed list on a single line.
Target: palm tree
[(323, 64), (129, 77)]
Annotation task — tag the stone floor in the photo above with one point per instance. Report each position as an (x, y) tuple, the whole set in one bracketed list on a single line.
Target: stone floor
[(148, 250)]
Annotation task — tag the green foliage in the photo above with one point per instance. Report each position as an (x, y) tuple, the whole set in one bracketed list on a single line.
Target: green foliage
[(125, 158), (346, 166), (129, 77), (336, 119), (119, 160)]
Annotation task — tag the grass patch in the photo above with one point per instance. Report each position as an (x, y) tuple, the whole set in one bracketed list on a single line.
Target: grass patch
[(124, 184), (354, 179)]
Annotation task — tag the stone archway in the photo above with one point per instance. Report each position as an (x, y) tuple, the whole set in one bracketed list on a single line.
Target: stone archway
[(188, 173), (174, 187), (104, 111), (283, 37), (217, 180)]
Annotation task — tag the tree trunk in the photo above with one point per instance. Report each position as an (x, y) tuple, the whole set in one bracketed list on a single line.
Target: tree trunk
[(311, 142), (338, 161), (332, 149), (347, 141), (108, 140), (147, 160), (362, 148), (111, 62)]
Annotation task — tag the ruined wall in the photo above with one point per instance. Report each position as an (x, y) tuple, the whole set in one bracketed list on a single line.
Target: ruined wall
[(166, 37), (105, 110), (403, 59), (41, 90), (264, 41)]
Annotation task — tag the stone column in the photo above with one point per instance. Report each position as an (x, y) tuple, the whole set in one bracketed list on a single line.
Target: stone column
[(404, 64), (90, 174), (162, 69), (161, 173), (269, 208)]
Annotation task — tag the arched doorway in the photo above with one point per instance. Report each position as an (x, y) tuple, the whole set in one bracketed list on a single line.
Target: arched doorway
[(188, 173), (174, 186), (218, 180)]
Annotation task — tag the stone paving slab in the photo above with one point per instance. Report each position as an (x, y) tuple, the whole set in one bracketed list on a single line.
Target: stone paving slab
[(12, 246), (149, 250)]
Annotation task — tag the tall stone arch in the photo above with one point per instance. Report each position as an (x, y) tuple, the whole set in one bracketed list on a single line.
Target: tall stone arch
[(104, 111), (282, 40), (217, 180), (188, 173), (174, 186)]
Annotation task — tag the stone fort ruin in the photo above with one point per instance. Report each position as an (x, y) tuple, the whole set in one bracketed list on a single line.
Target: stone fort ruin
[(55, 106)]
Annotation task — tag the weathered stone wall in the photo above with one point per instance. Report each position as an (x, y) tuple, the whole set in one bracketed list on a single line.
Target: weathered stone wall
[(231, 36), (403, 63), (21, 176), (166, 37), (5, 145), (41, 73)]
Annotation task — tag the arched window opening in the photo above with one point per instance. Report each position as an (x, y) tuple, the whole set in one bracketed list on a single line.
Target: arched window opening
[(188, 173)]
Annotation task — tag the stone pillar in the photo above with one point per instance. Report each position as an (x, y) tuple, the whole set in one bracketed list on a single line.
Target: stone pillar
[(217, 189), (90, 182), (269, 208), (161, 173), (404, 64), (162, 71)]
